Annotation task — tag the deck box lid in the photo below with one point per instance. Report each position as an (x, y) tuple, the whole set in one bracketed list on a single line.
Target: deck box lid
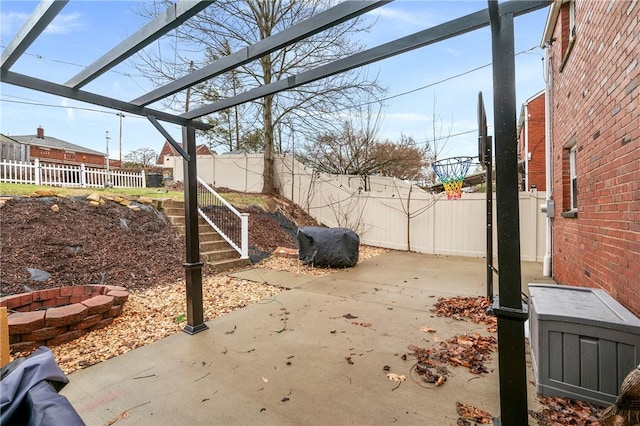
[(587, 306)]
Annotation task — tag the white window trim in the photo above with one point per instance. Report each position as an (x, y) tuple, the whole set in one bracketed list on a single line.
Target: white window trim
[(573, 176)]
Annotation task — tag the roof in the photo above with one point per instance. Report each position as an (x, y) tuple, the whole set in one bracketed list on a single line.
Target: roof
[(201, 149), (552, 18), (49, 142), (5, 138)]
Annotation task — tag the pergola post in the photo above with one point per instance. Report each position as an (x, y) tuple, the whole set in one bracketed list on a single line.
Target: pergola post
[(510, 312), (193, 265)]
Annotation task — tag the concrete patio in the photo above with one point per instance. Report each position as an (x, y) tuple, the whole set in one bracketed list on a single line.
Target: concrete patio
[(281, 362)]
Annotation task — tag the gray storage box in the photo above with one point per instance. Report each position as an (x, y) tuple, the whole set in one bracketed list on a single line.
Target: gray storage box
[(583, 342)]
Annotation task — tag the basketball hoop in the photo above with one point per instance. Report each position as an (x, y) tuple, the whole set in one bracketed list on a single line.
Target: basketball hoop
[(451, 172)]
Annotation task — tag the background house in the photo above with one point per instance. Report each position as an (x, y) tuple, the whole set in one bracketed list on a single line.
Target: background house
[(48, 149), (593, 53), (531, 144), (169, 156)]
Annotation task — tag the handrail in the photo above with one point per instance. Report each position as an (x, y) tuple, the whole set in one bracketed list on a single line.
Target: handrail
[(232, 225)]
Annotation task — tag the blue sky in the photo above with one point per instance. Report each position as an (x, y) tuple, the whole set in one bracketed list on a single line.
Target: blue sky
[(85, 30)]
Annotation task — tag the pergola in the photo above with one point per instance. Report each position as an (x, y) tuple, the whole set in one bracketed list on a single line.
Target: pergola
[(499, 16)]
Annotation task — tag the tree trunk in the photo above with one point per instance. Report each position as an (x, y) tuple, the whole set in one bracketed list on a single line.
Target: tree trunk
[(269, 172)]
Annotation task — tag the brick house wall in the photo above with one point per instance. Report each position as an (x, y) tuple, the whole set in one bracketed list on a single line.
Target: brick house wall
[(595, 111), (168, 151), (48, 149), (61, 156), (535, 165)]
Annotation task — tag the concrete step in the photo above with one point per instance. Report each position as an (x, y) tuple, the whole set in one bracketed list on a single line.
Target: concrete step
[(216, 255), (228, 265), (173, 211), (206, 246), (202, 228), (173, 204), (214, 250), (210, 236), (176, 220)]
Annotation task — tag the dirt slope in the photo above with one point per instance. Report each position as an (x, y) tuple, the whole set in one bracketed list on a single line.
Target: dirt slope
[(78, 243)]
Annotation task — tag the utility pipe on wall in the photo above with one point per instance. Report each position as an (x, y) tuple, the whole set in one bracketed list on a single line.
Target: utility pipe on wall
[(547, 261)]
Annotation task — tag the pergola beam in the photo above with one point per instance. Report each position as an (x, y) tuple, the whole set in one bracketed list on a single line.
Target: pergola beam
[(33, 83), (32, 28), (423, 38), (174, 16), (315, 24)]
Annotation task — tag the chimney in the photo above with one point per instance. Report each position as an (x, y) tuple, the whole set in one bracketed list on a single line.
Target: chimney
[(40, 133)]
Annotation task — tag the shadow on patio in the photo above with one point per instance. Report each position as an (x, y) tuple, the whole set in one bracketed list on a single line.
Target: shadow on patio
[(297, 359)]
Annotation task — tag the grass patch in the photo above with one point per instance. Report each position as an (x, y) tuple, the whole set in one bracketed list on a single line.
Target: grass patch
[(234, 198), (241, 200), (27, 189)]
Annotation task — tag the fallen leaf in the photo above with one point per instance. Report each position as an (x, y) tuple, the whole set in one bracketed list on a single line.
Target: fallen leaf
[(472, 413), (396, 377), (427, 329), (349, 316)]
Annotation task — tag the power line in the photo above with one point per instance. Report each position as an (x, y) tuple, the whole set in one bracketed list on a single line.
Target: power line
[(444, 80), (62, 106), (59, 61), (397, 95)]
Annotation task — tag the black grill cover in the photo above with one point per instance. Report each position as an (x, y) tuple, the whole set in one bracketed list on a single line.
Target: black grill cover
[(329, 247)]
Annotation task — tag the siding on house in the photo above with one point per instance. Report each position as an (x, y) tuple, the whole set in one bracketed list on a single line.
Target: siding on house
[(595, 106), (13, 150)]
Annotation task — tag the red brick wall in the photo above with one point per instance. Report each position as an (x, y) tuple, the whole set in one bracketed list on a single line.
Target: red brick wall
[(596, 100), (52, 155), (166, 150), (537, 163), (535, 127)]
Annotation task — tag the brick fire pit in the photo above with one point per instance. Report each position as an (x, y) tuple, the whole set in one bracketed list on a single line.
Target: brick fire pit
[(59, 315)]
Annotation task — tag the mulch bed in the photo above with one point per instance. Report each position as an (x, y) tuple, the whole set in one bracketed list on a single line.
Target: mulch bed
[(85, 244), (109, 244)]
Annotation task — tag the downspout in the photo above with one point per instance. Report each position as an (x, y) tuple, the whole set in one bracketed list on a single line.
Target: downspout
[(526, 146), (547, 261)]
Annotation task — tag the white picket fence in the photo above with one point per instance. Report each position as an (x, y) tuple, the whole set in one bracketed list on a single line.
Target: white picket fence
[(66, 175)]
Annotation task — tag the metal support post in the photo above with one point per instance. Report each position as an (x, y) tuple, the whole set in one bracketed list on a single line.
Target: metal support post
[(489, 182), (510, 312), (193, 265)]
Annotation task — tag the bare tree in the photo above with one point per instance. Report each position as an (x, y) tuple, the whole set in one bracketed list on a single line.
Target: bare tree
[(437, 140), (230, 25), (141, 157), (356, 150)]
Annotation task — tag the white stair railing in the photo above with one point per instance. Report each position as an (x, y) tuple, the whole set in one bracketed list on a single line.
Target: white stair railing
[(232, 225)]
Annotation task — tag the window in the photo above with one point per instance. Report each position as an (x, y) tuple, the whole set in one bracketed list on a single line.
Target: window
[(570, 179), (573, 177), (568, 29)]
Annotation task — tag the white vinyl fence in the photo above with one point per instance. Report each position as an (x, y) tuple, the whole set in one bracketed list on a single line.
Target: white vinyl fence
[(66, 175), (393, 214)]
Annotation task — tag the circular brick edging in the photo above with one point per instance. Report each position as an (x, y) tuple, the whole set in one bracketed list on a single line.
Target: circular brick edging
[(58, 315)]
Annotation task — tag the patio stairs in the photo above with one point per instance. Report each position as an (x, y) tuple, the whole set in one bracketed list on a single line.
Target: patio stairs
[(214, 250)]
